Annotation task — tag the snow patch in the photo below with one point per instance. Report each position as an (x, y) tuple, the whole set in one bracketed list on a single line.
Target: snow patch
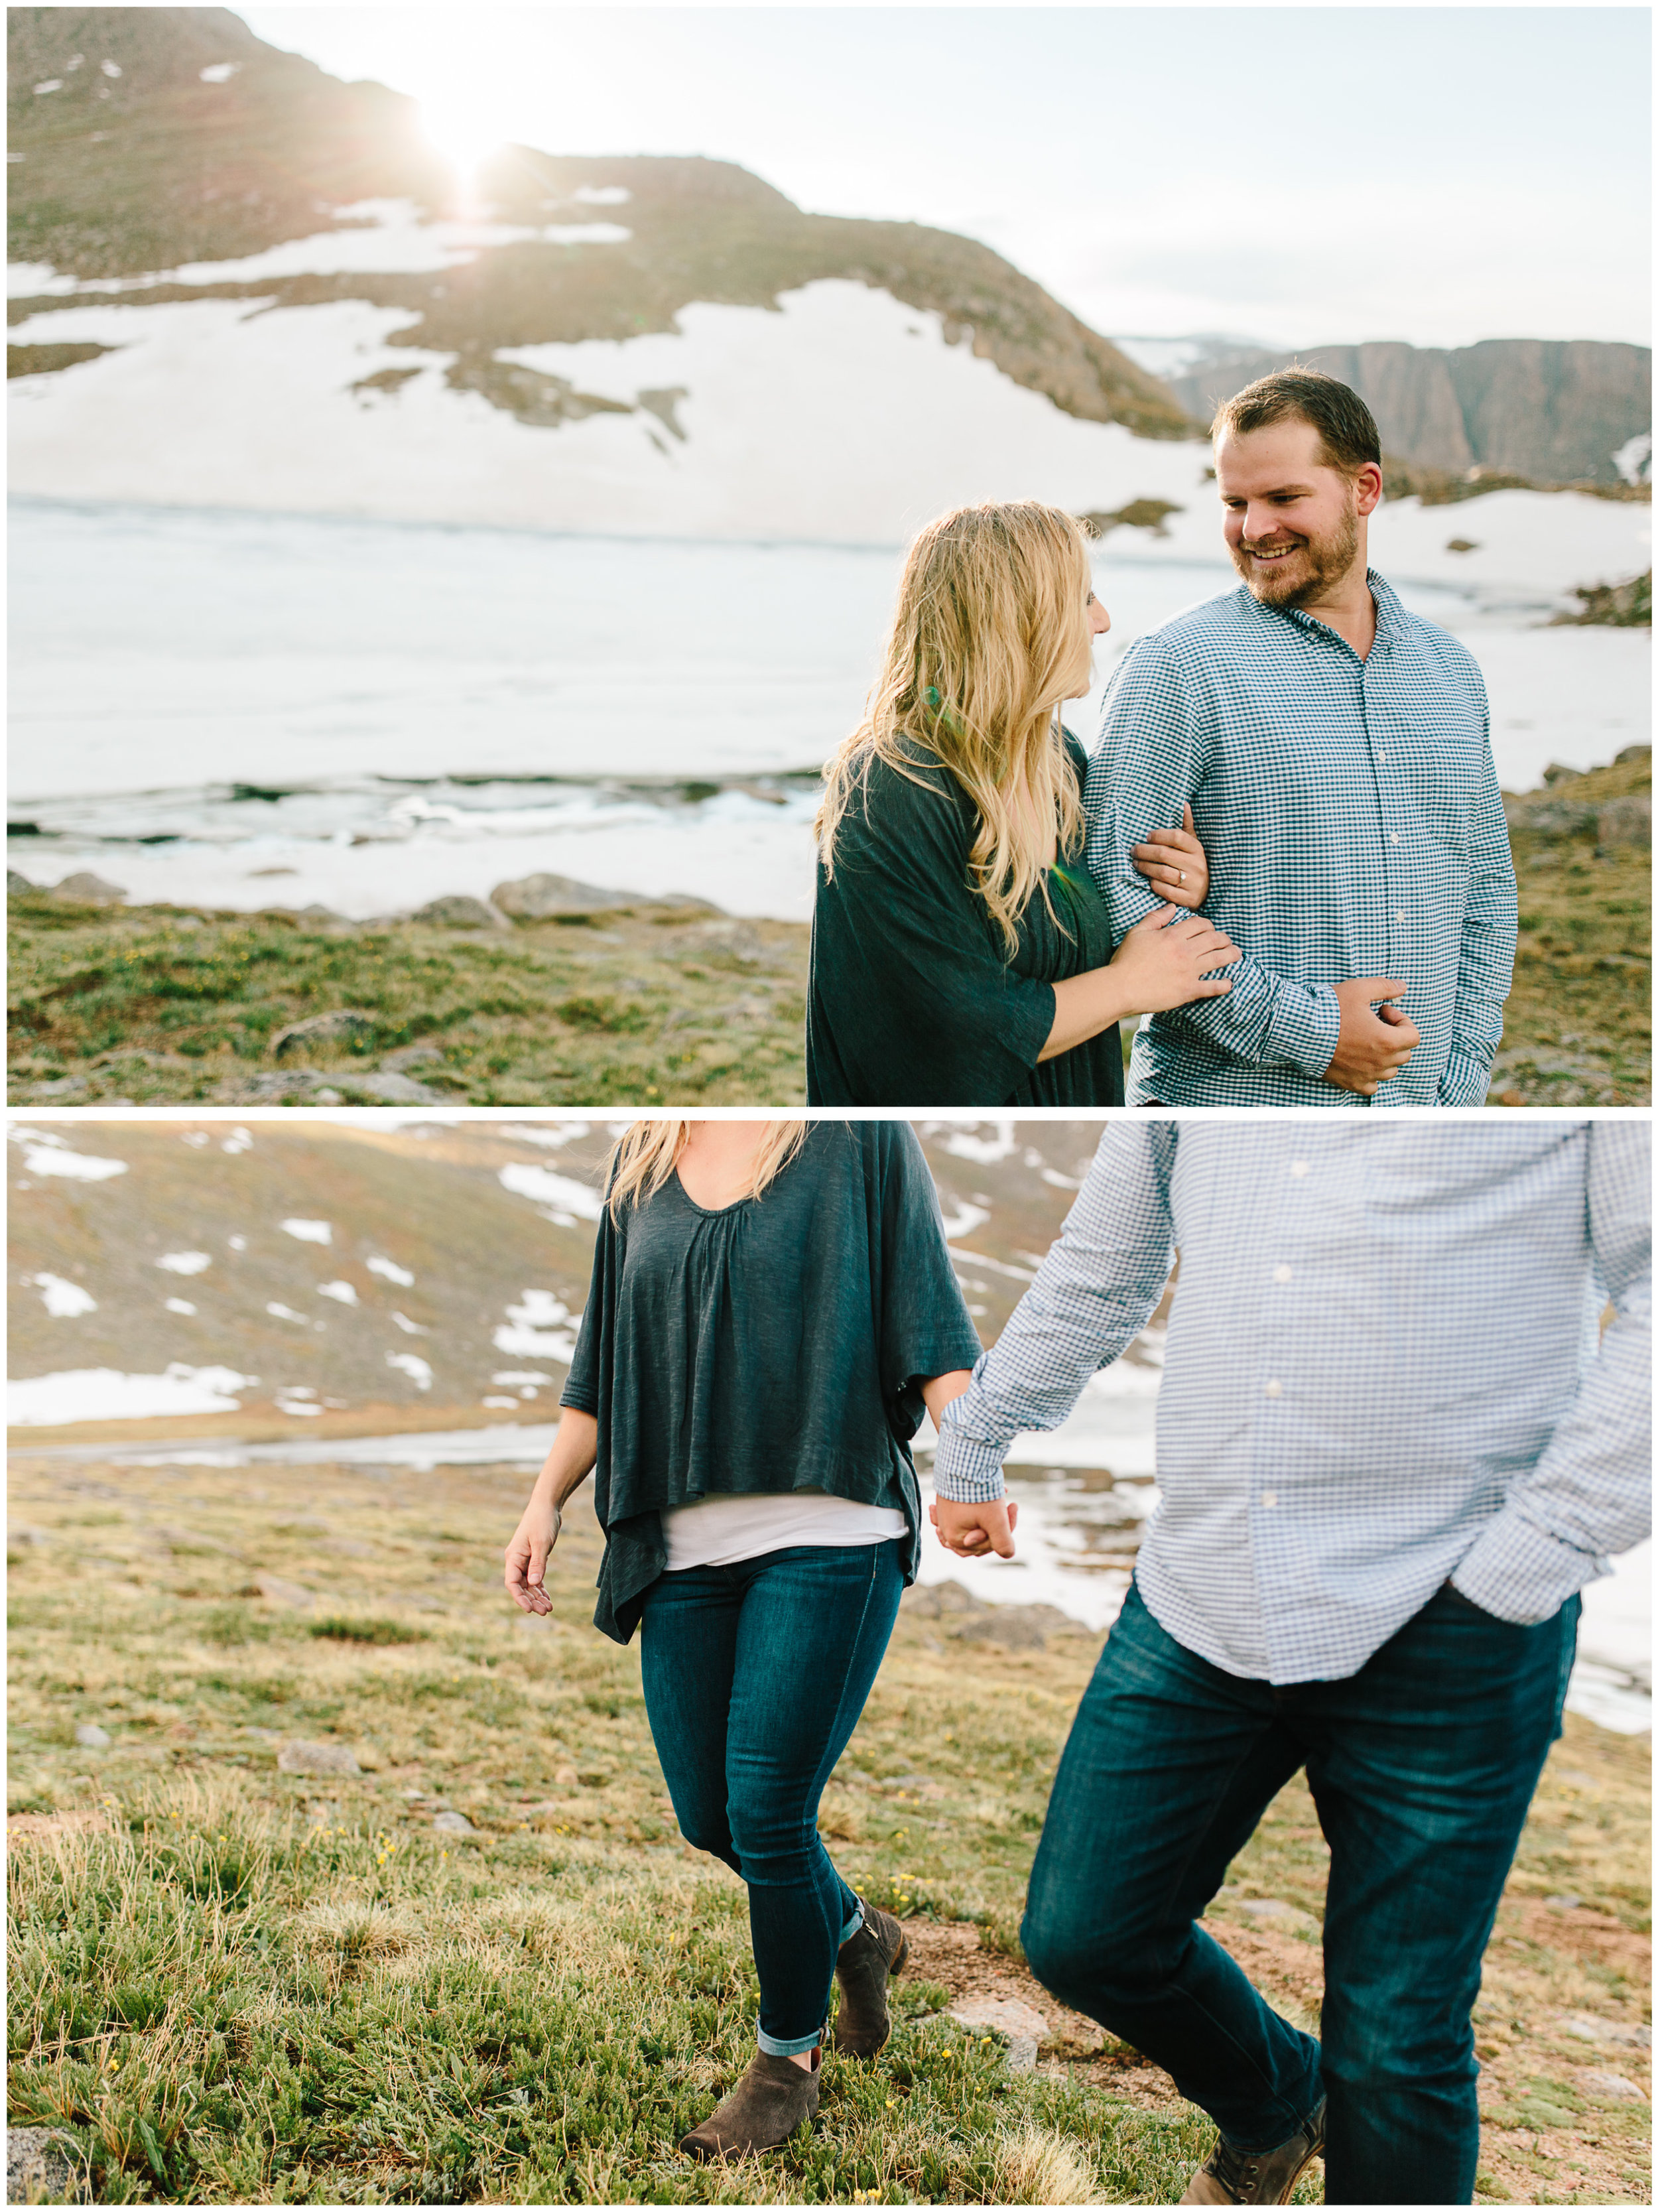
[(535, 1328), (342, 1293), (104, 1393), (414, 1367), (966, 1144), (179, 1306), (219, 72), (569, 1200), (239, 1140), (195, 1139), (279, 1312), (552, 1134), (184, 1263), (46, 1154), (237, 1244), (309, 1232), (965, 1218), (63, 1300), (409, 1328), (518, 1379), (391, 1271)]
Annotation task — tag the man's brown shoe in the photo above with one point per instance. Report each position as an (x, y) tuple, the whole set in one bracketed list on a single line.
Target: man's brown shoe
[(1258, 2176), (764, 2109), (864, 1966)]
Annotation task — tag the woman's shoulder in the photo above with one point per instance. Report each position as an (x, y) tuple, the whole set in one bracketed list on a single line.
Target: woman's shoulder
[(904, 791)]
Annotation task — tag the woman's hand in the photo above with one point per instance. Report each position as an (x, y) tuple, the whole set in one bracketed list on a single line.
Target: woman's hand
[(975, 1532), (568, 1464), (1174, 864), (1162, 962), (527, 1554)]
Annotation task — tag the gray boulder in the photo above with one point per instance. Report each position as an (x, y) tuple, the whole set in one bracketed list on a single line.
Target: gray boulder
[(541, 898), (459, 912), (91, 1737), (16, 885), (88, 890), (43, 2166), (345, 1025), (1625, 824)]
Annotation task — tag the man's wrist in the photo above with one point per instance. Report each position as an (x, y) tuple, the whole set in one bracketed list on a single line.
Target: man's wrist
[(967, 1473), (1305, 1028)]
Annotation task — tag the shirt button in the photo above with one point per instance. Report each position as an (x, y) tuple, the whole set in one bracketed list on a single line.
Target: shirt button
[(1280, 1274), (1395, 837), (1275, 1388), (1298, 1167), (1269, 1499), (1399, 918), (1381, 757)]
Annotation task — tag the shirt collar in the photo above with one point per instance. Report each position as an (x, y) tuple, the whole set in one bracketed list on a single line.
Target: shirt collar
[(1389, 614)]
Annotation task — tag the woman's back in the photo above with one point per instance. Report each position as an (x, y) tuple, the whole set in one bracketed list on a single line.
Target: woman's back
[(913, 1000)]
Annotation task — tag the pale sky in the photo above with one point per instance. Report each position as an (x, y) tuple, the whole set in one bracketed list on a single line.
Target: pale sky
[(1302, 175)]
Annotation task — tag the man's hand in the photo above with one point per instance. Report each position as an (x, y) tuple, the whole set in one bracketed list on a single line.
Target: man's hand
[(1372, 1046), (974, 1532)]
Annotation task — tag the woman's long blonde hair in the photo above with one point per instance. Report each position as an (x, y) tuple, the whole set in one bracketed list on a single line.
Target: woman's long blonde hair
[(990, 634), (643, 1158)]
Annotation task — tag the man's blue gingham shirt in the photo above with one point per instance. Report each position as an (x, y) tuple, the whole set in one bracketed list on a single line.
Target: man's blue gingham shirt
[(1351, 813), (1382, 1370)]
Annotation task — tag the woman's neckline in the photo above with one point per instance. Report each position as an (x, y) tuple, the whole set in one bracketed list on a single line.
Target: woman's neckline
[(712, 1212)]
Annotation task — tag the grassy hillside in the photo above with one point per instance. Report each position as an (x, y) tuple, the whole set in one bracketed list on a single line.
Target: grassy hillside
[(1578, 1024), (234, 1983), (429, 1201)]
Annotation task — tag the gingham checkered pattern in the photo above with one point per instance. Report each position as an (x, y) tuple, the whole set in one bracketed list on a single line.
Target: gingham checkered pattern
[(1381, 1367), (1352, 816)]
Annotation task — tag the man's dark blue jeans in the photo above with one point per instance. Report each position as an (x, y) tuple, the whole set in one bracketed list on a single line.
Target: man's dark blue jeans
[(755, 1675), (1422, 1766)]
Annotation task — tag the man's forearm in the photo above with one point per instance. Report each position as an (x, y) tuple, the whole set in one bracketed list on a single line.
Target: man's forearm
[(1093, 1294), (1590, 1494)]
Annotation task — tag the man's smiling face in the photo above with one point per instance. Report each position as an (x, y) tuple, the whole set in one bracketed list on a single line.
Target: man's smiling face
[(1292, 519)]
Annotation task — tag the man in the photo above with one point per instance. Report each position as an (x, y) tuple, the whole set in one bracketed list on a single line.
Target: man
[(1336, 752), (1390, 1454)]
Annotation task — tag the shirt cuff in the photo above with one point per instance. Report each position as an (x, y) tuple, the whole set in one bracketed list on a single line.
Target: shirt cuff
[(966, 1471), (1466, 1080), (1304, 1029), (1521, 1574)]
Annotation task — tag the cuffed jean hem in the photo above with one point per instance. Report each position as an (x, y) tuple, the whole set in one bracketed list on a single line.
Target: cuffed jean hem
[(776, 2047), (854, 1923)]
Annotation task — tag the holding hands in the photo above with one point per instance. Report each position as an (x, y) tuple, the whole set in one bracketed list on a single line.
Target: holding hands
[(974, 1532)]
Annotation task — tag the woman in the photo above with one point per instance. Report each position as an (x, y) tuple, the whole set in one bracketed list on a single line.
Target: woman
[(961, 952), (772, 1304)]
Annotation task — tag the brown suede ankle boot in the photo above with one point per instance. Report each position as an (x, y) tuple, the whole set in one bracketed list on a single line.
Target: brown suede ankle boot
[(865, 1963), (764, 2109)]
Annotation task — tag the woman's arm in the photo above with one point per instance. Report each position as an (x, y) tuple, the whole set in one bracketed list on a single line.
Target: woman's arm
[(1162, 963), (568, 1464), (939, 1392)]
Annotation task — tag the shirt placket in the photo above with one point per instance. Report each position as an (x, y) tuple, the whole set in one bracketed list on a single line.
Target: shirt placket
[(1281, 1289), (1390, 816)]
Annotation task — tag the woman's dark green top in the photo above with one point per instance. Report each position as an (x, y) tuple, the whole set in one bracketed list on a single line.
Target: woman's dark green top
[(914, 1001), (778, 1344)]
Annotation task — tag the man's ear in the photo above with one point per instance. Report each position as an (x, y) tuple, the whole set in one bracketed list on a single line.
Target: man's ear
[(1368, 485)]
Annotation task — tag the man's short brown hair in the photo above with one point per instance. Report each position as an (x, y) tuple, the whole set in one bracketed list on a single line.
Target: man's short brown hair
[(1347, 429)]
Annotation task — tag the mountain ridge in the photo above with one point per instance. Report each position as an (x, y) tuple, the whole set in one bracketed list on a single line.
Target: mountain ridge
[(208, 172)]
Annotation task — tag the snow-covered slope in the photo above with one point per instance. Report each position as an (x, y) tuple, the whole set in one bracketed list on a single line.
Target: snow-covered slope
[(844, 416)]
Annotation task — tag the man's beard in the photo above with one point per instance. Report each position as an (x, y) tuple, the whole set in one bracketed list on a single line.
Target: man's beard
[(1317, 564)]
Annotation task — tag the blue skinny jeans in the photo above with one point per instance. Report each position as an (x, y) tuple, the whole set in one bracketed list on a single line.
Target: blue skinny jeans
[(1422, 1766), (755, 1675)]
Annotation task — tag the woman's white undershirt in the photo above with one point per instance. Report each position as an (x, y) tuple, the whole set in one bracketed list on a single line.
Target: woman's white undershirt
[(718, 1532)]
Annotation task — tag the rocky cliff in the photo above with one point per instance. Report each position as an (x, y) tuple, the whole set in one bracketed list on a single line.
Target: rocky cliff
[(1548, 411)]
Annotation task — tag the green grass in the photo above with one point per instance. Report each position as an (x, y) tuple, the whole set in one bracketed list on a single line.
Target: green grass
[(659, 1007), (656, 1006), (252, 1986), (1577, 1029)]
